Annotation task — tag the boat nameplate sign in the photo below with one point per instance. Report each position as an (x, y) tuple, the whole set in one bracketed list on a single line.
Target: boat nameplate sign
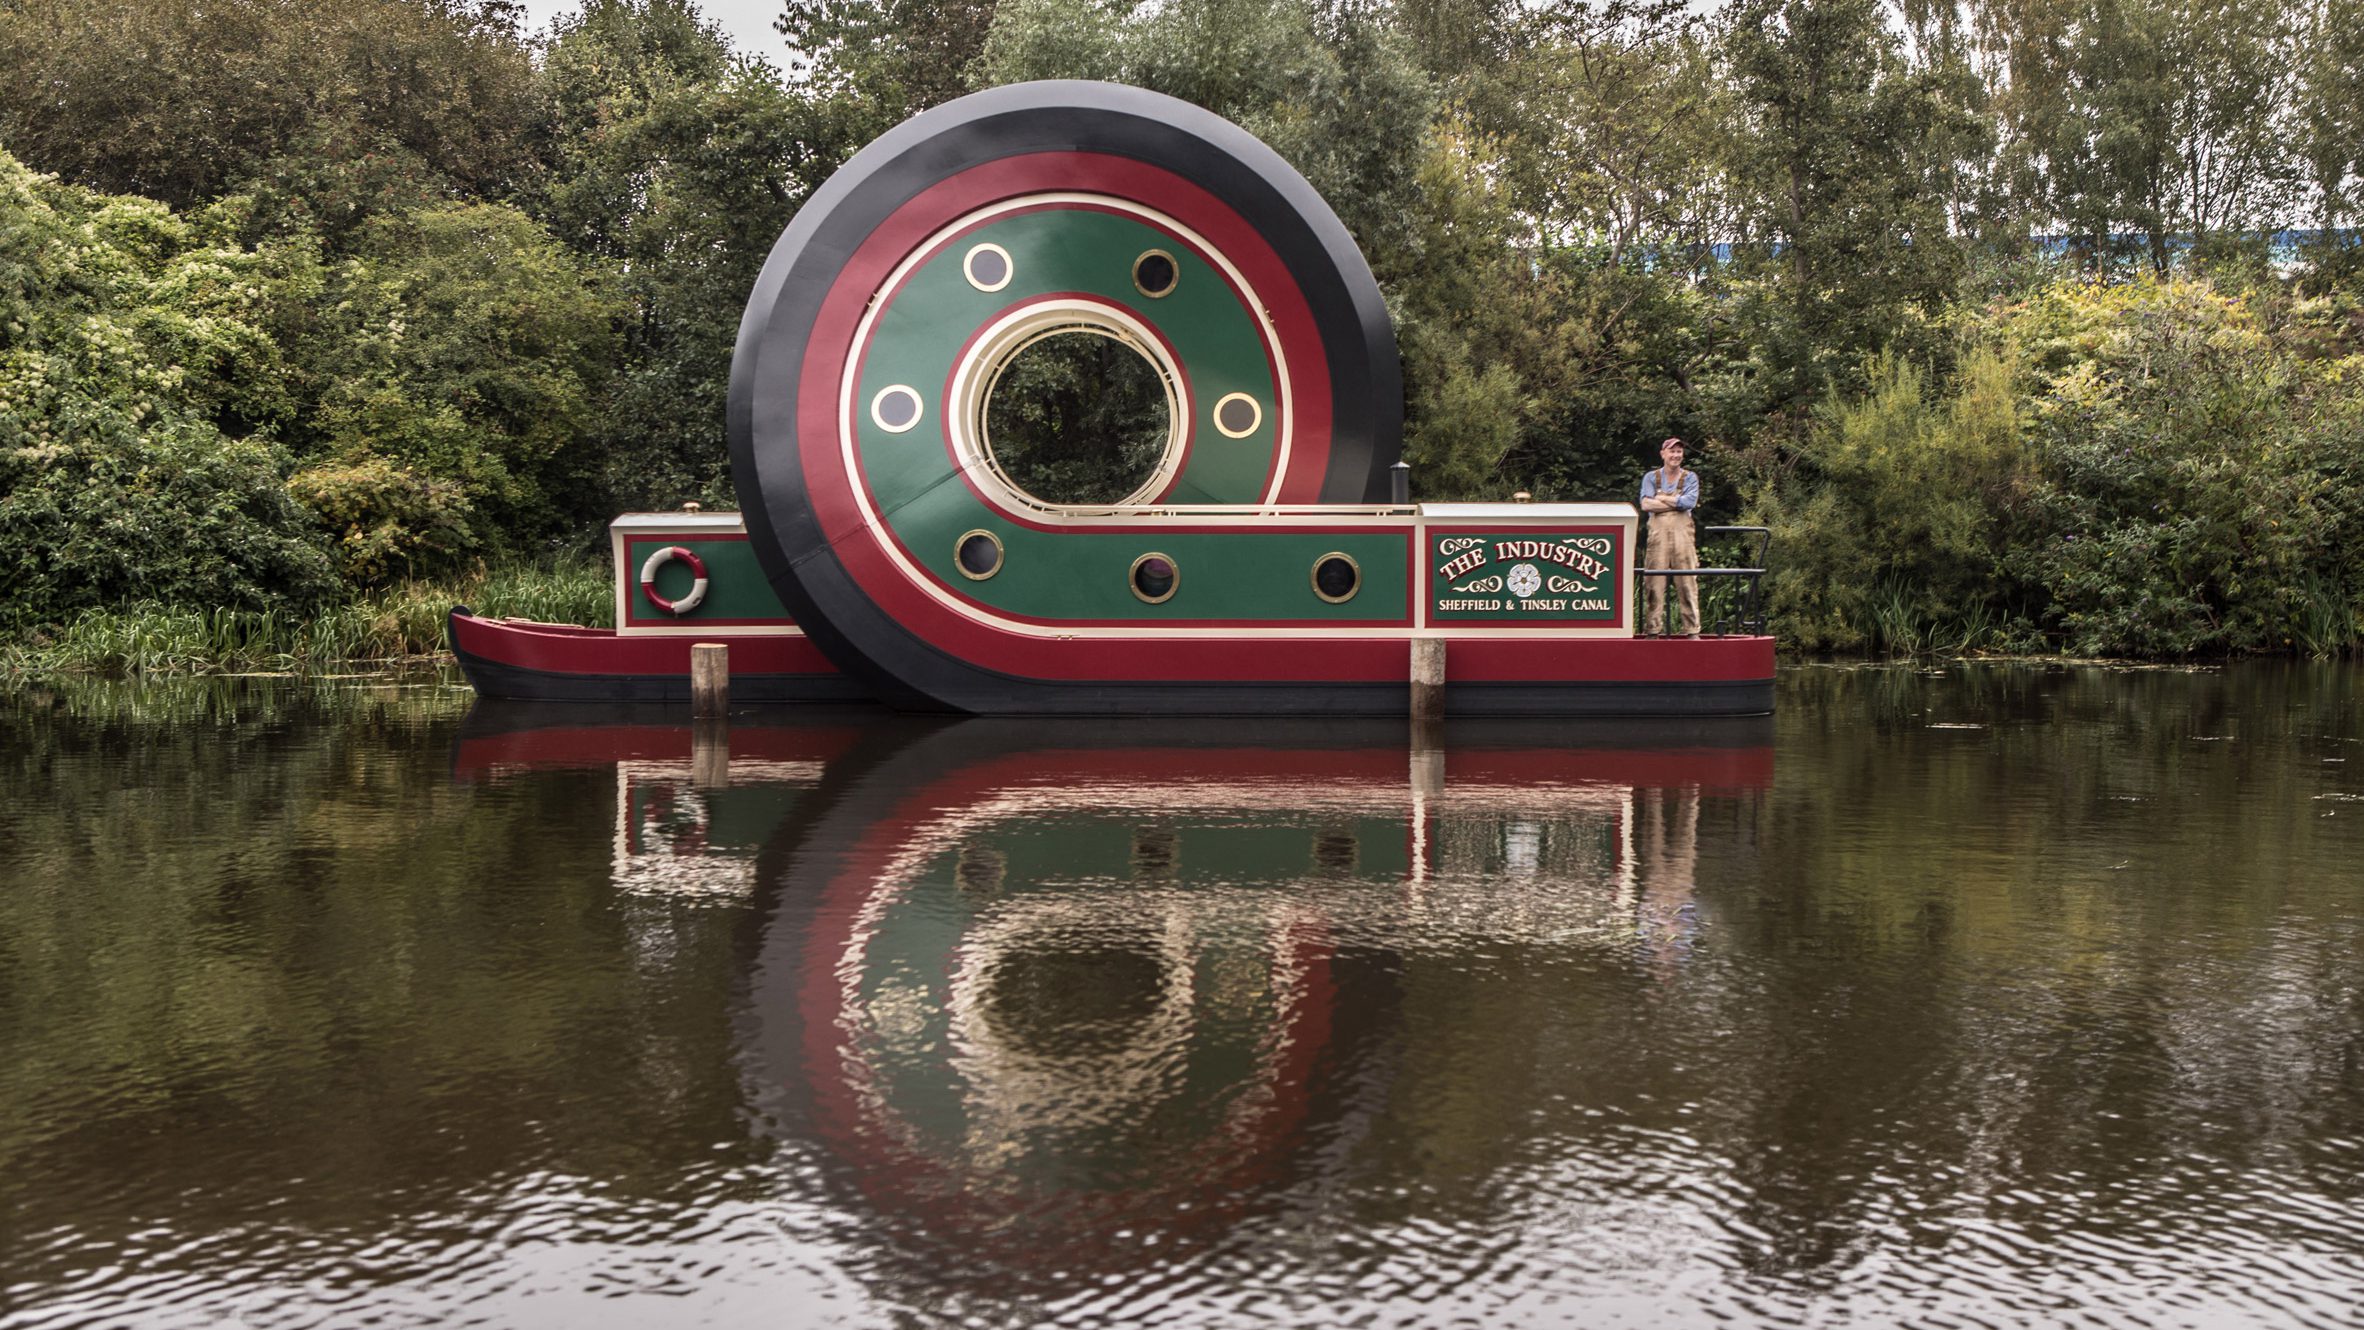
[(1524, 575)]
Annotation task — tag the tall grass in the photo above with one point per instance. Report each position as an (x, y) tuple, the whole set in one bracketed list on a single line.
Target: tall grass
[(1900, 629), (2329, 624), (397, 623)]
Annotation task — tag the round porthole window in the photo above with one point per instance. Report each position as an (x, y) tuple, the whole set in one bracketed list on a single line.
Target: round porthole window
[(896, 408), (978, 555), (987, 267), (1336, 577), (1238, 415), (1155, 576), (1154, 274)]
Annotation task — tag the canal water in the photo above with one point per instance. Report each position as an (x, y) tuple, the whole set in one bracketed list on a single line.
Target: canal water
[(1984, 995)]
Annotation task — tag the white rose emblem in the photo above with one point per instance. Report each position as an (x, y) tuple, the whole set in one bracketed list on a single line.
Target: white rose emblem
[(1525, 581)]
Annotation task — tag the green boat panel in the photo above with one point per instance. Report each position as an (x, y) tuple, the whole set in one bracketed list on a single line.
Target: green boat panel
[(736, 587)]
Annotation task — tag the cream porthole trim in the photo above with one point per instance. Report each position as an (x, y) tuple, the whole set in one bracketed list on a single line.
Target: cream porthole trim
[(968, 266), (1255, 419), (878, 403)]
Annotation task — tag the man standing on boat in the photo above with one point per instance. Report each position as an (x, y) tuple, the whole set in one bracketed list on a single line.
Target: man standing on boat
[(1669, 494)]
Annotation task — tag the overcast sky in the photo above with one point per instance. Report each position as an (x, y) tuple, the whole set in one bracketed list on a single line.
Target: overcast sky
[(747, 23)]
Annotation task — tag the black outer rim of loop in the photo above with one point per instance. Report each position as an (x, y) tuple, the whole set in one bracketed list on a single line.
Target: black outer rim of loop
[(1366, 378)]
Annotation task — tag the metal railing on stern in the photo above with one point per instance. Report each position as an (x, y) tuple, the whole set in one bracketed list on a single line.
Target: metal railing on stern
[(1731, 599)]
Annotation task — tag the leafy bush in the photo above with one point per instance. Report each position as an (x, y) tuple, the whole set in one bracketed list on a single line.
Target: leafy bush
[(127, 347), (2184, 507), (394, 623), (464, 345), (112, 512), (1916, 498), (2155, 468), (386, 520)]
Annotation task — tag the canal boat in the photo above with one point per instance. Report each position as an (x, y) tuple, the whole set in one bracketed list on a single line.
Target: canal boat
[(1267, 559)]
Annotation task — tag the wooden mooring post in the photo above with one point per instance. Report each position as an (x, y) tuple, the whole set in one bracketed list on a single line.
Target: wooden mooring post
[(1428, 678), (710, 679)]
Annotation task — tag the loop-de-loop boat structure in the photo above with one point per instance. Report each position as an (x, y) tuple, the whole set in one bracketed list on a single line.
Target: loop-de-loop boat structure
[(1268, 561)]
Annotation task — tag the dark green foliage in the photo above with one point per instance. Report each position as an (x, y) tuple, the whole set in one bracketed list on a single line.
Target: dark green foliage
[(463, 344), (2155, 469), (2198, 473), (128, 345), (329, 108), (1078, 418), (1838, 169), (876, 62), (173, 511), (674, 166)]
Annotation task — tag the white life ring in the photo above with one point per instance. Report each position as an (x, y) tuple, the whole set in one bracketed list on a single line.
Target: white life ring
[(648, 580)]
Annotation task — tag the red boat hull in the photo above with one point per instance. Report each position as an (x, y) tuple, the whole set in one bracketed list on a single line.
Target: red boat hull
[(550, 662)]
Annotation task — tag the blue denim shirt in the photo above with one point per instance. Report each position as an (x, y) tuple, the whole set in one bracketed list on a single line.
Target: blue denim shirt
[(1685, 501)]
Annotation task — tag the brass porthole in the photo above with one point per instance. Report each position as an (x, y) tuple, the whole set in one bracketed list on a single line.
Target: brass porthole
[(977, 555), (1155, 274), (1155, 577), (988, 267), (1336, 577)]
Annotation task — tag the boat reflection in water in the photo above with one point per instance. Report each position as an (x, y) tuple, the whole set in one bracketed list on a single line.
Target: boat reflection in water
[(1057, 999), (691, 809), (1031, 1009)]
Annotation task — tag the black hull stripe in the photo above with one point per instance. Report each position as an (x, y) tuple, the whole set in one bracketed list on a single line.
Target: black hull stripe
[(493, 679)]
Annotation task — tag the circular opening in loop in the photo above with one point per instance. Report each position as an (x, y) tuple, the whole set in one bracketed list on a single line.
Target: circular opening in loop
[(1336, 577), (1237, 415), (1079, 415), (1155, 274), (988, 267), (1155, 577), (978, 555), (896, 408)]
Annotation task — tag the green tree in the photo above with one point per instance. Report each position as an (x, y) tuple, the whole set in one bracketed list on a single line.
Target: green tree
[(1839, 163), (2135, 122), (1605, 126), (1609, 133), (2330, 129), (329, 109), (675, 167), (873, 63), (2198, 467)]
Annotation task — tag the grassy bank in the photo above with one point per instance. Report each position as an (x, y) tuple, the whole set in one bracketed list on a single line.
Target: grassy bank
[(393, 624)]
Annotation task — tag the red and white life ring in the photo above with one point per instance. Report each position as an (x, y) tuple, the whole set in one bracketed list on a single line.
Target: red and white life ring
[(648, 579)]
